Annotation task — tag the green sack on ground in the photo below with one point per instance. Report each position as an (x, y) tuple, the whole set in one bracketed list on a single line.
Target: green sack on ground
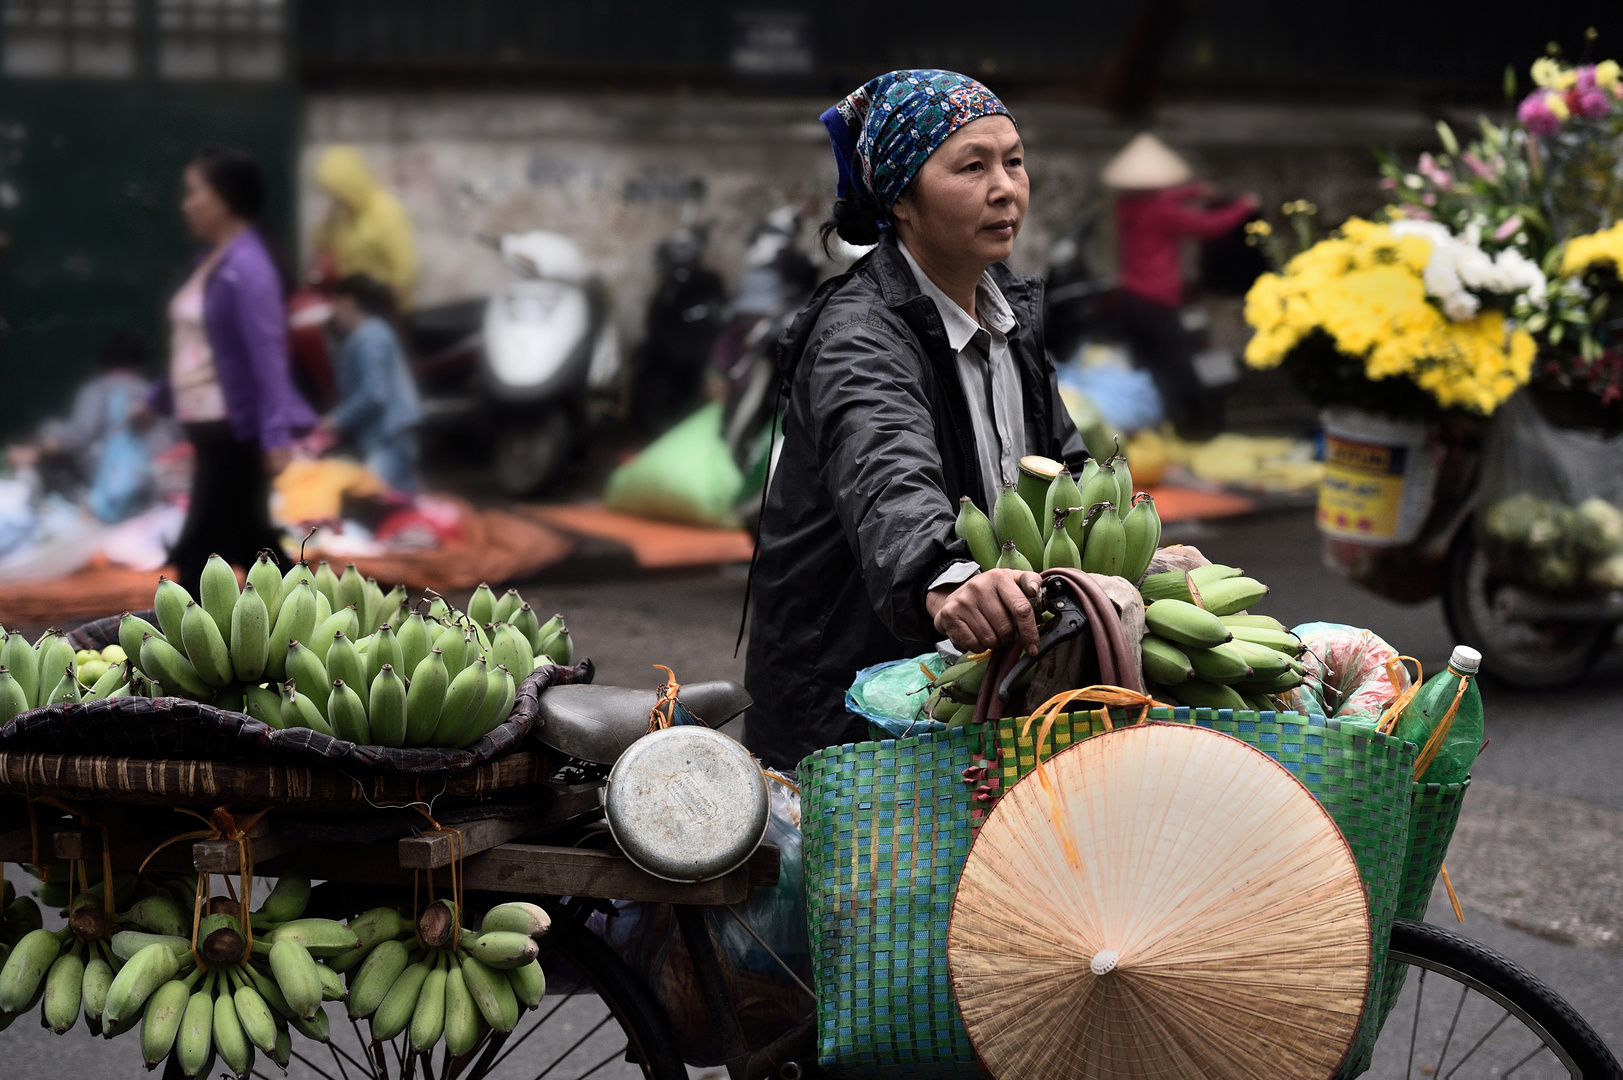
[(685, 475)]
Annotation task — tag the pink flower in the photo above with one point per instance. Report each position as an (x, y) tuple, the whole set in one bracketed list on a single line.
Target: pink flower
[(1388, 184), (1429, 168), (1535, 115), (1590, 102), (1509, 228), (1585, 77), (1477, 165), (1429, 198)]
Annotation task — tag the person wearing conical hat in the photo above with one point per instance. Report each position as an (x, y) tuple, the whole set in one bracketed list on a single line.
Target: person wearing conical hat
[(1154, 217)]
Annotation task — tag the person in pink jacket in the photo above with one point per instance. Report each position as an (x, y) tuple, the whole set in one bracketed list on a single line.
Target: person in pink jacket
[(1154, 219)]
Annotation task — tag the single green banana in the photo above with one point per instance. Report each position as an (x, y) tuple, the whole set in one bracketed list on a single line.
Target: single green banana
[(1279, 640), (499, 695), (321, 937), (1061, 550), (462, 701), (1167, 585), (317, 1027), (386, 711), (501, 950), (230, 1041), (1200, 694), (414, 642), (371, 611), (66, 691), (1124, 481), (345, 620), (527, 624), (98, 980), (393, 1014), (13, 698), (1012, 520), (1106, 543), (350, 591), (160, 1022), (1205, 575), (560, 647), (194, 1043), (265, 705), (975, 530), (1011, 559), (217, 592), (266, 579), (22, 661), (492, 993), (305, 668), (425, 697), (392, 609), (377, 925), (111, 679), (283, 1053), (299, 711), (344, 661), (428, 1018), (529, 984), (64, 991), (1099, 485), (296, 621), (250, 635), (157, 914), (482, 605), (1220, 664), (1142, 530), (332, 984), (1164, 662), (1062, 495), (509, 602), (518, 917), (511, 649), (170, 603), (254, 1014), (326, 582), (377, 973), (1259, 622), (452, 642), (205, 645), (286, 902), (464, 1026), (1230, 596), (296, 976), (385, 650), (347, 715), (324, 609), (136, 980), (543, 634), (1266, 664), (1185, 624), (127, 944), (55, 657)]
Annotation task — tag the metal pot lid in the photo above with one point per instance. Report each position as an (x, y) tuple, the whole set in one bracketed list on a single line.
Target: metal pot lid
[(686, 803)]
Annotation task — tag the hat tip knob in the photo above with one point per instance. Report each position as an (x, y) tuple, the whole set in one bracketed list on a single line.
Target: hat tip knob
[(1104, 961)]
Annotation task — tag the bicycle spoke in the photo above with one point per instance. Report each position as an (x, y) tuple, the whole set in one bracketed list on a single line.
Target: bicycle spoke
[(607, 1016), (1478, 1045), (1414, 1032), (620, 1053), (533, 1029), (1465, 991), (1537, 1050), (318, 1069), (336, 1060)]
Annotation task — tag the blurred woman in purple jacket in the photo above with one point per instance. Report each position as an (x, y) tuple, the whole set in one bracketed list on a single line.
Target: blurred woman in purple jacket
[(228, 382)]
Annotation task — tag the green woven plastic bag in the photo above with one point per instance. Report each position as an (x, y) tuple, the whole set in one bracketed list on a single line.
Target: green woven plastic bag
[(885, 835)]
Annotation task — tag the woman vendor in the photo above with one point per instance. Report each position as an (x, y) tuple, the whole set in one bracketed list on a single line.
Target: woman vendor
[(916, 378)]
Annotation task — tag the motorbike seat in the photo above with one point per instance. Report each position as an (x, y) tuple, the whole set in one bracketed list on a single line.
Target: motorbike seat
[(597, 723)]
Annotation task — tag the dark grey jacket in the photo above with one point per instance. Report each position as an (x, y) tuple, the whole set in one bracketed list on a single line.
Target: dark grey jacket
[(877, 451)]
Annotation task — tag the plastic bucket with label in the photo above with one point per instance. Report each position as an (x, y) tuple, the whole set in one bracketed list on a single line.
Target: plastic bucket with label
[(1379, 478)]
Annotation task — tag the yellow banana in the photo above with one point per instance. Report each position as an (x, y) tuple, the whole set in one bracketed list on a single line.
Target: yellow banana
[(217, 593), (205, 645)]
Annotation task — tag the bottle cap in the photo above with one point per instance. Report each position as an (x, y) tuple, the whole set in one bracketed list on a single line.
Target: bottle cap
[(1465, 660)]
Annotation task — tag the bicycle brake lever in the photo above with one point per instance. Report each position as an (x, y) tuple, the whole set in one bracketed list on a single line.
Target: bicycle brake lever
[(1059, 597)]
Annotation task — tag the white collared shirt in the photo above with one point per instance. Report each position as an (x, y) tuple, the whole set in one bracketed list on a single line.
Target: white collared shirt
[(988, 374)]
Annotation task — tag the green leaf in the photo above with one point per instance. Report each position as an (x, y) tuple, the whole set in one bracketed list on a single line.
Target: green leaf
[(1446, 134)]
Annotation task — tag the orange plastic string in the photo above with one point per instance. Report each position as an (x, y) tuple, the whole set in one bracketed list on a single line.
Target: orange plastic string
[(109, 903), (1394, 712), (1454, 900), (1429, 752), (222, 825), (662, 715)]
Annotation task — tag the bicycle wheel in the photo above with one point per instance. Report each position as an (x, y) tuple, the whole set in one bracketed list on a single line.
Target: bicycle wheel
[(1467, 1011), (604, 1024)]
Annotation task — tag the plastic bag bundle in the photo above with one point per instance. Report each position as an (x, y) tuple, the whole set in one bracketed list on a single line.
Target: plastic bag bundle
[(767, 1000), (890, 695), (1551, 516), (1348, 675), (686, 475)]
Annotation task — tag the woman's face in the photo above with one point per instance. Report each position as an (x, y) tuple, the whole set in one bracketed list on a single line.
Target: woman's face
[(968, 201), (206, 214)]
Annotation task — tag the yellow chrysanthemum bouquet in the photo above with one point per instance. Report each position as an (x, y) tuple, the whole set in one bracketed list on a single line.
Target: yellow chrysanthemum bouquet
[(1402, 319)]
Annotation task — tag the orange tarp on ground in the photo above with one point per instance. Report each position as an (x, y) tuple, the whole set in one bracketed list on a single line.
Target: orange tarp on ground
[(654, 544), (496, 547), (1188, 504)]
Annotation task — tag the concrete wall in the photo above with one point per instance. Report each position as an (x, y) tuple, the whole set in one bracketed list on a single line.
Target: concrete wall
[(617, 173)]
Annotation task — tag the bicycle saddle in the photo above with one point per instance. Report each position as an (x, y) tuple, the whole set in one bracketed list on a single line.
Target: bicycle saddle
[(597, 723)]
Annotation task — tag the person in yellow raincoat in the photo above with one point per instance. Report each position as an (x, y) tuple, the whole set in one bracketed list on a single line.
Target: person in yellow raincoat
[(367, 231)]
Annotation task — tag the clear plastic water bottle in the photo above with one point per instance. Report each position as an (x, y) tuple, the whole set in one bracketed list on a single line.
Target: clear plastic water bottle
[(1426, 711)]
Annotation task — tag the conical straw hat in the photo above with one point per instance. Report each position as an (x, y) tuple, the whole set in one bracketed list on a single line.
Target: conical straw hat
[(1213, 925), (1145, 164)]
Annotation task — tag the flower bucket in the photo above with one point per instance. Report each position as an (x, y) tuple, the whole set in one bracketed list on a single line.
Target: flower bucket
[(1379, 478)]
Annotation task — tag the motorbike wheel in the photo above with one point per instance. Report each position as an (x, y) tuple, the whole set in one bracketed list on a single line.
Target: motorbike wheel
[(1528, 656), (530, 452)]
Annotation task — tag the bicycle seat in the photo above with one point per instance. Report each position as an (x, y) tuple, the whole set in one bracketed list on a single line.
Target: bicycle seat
[(597, 723)]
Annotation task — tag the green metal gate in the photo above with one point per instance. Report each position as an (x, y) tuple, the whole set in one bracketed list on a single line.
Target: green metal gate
[(101, 104)]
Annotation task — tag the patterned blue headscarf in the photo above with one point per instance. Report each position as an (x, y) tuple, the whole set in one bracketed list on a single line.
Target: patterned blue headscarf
[(886, 129)]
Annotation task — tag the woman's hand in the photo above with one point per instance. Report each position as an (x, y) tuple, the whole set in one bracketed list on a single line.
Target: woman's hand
[(991, 608)]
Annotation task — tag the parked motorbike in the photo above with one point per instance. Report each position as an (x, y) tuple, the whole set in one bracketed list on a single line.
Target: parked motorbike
[(685, 315), (514, 371)]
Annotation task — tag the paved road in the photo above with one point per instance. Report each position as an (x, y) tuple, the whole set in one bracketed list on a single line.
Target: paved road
[(1540, 848)]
